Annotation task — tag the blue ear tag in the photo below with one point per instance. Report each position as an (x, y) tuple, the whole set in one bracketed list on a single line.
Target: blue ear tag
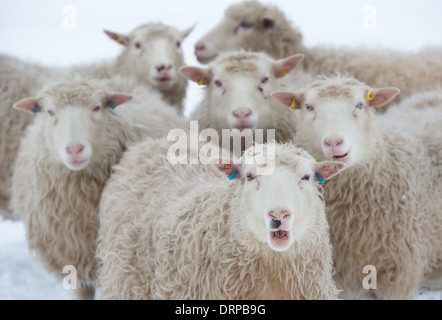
[(233, 174), (37, 107), (319, 178), (111, 105)]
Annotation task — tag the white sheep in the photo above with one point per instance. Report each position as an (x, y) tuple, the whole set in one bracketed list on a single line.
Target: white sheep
[(18, 79), (238, 94), (262, 27), (246, 238), (384, 209), (63, 163)]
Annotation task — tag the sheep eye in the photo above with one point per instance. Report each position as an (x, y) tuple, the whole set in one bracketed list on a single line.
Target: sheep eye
[(360, 105), (265, 80), (178, 44), (51, 113), (97, 108), (246, 24), (306, 177), (137, 45), (250, 177), (218, 83), (309, 107)]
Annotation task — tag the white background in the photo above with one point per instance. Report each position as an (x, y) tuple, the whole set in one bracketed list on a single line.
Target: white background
[(34, 30)]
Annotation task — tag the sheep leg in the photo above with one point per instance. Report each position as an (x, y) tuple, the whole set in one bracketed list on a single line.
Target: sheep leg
[(84, 293)]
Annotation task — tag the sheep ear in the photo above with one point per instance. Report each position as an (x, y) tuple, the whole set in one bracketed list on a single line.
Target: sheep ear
[(229, 169), (115, 99), (381, 96), (283, 66), (121, 39), (198, 75), (289, 99), (28, 105), (185, 33), (327, 169)]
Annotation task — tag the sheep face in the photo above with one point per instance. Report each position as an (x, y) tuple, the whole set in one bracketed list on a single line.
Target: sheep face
[(238, 88), (74, 116), (279, 208), (248, 25), (153, 54), (337, 118)]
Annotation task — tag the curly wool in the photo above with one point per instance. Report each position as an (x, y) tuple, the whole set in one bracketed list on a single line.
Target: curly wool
[(194, 247)]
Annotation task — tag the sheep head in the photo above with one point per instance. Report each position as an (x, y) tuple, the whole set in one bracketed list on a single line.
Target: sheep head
[(252, 26), (75, 114), (239, 86), (152, 53), (336, 117), (279, 200)]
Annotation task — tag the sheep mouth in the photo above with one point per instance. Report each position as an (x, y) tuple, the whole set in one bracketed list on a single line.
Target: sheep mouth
[(279, 238), (163, 81), (342, 157)]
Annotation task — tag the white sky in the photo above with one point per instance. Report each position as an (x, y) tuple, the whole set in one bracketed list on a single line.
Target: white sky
[(34, 29)]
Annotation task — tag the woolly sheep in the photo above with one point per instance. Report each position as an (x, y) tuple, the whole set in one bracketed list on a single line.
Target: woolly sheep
[(384, 209), (219, 239), (152, 54), (63, 162), (238, 93), (260, 27), (20, 79)]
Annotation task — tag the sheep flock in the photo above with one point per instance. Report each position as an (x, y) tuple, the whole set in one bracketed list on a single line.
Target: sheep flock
[(303, 173)]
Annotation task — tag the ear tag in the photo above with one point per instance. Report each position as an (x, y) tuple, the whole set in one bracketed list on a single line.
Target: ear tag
[(201, 82), (111, 105), (293, 105), (233, 174), (118, 40), (319, 178), (283, 73), (37, 107), (369, 96)]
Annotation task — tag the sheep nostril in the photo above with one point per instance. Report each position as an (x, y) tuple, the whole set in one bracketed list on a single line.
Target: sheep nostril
[(274, 224)]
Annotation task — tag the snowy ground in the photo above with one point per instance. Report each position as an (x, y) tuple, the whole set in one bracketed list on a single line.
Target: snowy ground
[(37, 31)]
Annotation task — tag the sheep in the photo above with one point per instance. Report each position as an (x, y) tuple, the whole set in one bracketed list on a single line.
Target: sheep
[(64, 160), (384, 209), (259, 27), (241, 239), (19, 79), (152, 54), (238, 93)]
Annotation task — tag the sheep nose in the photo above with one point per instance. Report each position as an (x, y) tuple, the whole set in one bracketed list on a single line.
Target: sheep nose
[(333, 143), (162, 67), (242, 113), (75, 150), (200, 46), (277, 216)]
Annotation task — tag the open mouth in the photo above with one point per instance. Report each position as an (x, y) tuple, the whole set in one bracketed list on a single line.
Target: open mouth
[(279, 238), (341, 158)]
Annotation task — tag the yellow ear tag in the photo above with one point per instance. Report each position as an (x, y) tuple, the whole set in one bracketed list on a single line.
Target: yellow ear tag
[(283, 73), (201, 82), (118, 40), (368, 96), (293, 105)]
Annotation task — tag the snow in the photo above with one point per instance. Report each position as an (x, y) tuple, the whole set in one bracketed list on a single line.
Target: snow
[(39, 31)]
